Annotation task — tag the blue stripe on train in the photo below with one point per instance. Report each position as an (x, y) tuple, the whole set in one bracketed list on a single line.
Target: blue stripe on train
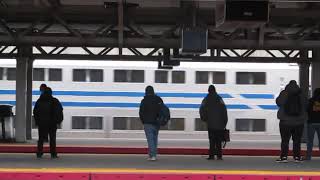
[(141, 94), (136, 105), (123, 94), (269, 107), (258, 96)]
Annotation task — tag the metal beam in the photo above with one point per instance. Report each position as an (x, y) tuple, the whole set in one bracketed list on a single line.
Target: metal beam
[(156, 58), (152, 43)]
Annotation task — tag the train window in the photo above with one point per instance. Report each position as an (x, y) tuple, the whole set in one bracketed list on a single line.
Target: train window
[(78, 122), (120, 76), (175, 124), (55, 74), (218, 77), (251, 78), (178, 77), (127, 123), (254, 125), (38, 74), (94, 122), (79, 75), (200, 125), (83, 122), (96, 75), (161, 76), (11, 74), (202, 77), (135, 76), (1, 73)]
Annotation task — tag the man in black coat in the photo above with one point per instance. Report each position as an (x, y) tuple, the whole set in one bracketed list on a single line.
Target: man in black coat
[(214, 112), (48, 114), (148, 113), (41, 89), (313, 121)]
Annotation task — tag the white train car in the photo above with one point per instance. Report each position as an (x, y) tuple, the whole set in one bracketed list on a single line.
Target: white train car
[(101, 99)]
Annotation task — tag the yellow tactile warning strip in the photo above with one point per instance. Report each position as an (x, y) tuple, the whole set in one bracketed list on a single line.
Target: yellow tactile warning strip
[(155, 171)]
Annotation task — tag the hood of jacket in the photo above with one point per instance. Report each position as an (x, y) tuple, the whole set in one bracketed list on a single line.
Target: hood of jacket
[(292, 88), (149, 91)]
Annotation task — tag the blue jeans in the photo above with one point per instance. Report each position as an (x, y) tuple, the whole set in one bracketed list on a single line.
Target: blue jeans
[(152, 132), (312, 128)]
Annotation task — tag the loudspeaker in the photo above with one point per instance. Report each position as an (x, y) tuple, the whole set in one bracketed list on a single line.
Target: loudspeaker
[(245, 12), (194, 40)]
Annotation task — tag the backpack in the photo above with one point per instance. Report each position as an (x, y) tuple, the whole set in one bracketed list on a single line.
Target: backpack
[(164, 115), (203, 111), (293, 105), (57, 110)]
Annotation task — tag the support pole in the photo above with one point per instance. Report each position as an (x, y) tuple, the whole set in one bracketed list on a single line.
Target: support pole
[(304, 73), (24, 53), (120, 26), (304, 67), (315, 79), (29, 98)]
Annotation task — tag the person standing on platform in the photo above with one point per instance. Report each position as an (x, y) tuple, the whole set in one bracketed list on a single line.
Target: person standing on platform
[(48, 114), (313, 121), (214, 112), (42, 88), (292, 115), (148, 113)]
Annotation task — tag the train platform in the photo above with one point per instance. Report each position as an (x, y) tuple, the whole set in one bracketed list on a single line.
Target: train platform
[(167, 167), (139, 146)]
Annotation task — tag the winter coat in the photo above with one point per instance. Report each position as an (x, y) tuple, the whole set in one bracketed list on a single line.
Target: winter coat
[(314, 110), (48, 111), (214, 112), (150, 108), (286, 119)]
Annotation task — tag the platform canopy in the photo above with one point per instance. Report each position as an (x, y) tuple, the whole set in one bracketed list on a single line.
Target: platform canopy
[(138, 29)]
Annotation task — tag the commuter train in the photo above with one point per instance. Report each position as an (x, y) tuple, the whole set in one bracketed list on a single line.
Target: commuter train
[(101, 98)]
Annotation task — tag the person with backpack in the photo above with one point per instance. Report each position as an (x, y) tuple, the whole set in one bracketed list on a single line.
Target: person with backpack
[(292, 115), (48, 114), (214, 112), (313, 121), (149, 111)]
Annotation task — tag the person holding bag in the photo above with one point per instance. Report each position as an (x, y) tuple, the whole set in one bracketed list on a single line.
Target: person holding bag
[(214, 112)]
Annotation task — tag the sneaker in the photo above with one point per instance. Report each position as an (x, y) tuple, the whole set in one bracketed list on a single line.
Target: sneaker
[(298, 160), (282, 160), (152, 159), (54, 157), (219, 158), (210, 158)]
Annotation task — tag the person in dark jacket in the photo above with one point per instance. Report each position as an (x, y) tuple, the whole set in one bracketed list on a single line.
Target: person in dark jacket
[(313, 121), (41, 89), (48, 114), (214, 112), (291, 123), (148, 113)]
